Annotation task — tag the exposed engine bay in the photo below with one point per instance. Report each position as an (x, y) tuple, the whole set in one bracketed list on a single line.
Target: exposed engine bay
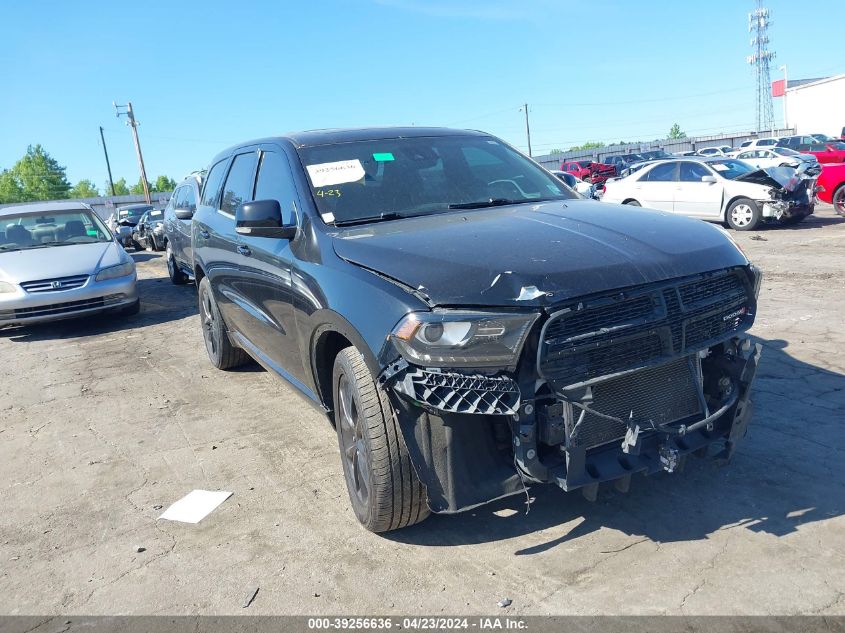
[(626, 382)]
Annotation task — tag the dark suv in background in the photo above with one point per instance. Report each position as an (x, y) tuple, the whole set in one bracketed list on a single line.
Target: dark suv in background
[(469, 325), (177, 229)]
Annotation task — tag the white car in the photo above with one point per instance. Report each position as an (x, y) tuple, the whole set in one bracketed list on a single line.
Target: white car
[(758, 143), (718, 190), (721, 150), (574, 182), (775, 157)]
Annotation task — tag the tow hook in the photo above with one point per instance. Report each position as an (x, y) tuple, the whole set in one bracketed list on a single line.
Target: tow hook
[(669, 457)]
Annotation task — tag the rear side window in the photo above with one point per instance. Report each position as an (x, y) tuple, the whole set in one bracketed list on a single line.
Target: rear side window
[(664, 172), (275, 182), (238, 188), (212, 184)]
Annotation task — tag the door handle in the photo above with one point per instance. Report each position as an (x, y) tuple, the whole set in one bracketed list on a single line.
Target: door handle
[(244, 250), (204, 234)]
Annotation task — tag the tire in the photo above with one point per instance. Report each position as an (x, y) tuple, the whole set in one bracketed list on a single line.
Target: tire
[(221, 352), (137, 246), (838, 200), (132, 309), (743, 215), (383, 488), (177, 276), (632, 203)]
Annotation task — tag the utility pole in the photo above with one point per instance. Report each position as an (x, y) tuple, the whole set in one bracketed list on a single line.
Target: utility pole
[(131, 122), (527, 129), (108, 165)]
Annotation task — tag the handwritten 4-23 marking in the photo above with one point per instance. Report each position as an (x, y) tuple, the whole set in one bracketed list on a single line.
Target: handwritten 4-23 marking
[(330, 193)]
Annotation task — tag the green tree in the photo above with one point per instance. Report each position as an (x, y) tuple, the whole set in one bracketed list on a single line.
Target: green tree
[(120, 188), (587, 145), (163, 183), (10, 188), (676, 132), (84, 189), (36, 176), (138, 188)]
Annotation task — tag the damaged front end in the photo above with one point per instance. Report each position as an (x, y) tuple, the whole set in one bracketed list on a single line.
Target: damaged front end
[(589, 391), (791, 193)]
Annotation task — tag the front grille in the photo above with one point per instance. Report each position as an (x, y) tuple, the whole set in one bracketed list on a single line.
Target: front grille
[(55, 285), (662, 394), (58, 308), (643, 326)]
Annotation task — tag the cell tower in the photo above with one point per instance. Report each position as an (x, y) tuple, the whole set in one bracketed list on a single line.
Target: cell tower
[(758, 24)]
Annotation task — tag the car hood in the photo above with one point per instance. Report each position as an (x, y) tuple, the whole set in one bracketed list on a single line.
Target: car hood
[(58, 261), (782, 178), (536, 255)]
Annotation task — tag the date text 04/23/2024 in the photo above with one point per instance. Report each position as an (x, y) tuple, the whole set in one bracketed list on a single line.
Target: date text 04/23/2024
[(417, 623)]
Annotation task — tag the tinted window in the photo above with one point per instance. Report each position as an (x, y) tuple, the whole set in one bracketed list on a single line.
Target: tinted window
[(190, 198), (179, 198), (276, 183), (211, 190), (693, 172), (663, 172), (238, 188), (768, 141)]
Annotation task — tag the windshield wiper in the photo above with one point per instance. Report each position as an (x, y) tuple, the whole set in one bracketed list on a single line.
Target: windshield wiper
[(497, 202), (392, 215)]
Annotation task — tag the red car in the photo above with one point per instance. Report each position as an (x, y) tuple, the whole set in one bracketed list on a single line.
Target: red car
[(832, 181), (589, 171), (832, 151)]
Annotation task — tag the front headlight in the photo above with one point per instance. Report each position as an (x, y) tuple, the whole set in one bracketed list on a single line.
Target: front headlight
[(113, 272), (5, 286), (456, 338)]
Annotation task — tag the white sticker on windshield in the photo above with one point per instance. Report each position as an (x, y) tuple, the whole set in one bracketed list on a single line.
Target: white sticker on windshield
[(328, 217), (337, 173), (719, 167)]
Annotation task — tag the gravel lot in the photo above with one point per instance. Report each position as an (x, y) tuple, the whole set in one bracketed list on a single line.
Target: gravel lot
[(103, 422)]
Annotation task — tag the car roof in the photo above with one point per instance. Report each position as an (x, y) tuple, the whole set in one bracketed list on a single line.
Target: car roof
[(44, 207), (312, 138)]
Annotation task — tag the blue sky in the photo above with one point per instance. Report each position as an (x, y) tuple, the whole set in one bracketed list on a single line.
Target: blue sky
[(203, 75)]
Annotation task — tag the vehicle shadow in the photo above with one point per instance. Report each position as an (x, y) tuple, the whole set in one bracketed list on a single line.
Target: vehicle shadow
[(145, 256), (787, 473), (161, 302)]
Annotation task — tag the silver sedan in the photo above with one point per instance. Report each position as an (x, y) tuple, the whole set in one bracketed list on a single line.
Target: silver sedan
[(59, 261)]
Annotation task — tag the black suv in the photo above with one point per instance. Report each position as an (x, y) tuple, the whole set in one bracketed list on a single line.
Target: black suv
[(469, 325)]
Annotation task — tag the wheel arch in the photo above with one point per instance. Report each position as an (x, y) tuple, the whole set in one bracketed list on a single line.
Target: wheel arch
[(333, 334)]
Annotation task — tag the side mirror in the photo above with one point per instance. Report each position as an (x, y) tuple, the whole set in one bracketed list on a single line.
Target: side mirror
[(262, 218), (710, 179), (183, 214)]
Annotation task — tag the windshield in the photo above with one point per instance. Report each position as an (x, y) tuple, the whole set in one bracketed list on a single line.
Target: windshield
[(730, 168), (156, 215), (374, 180), (57, 228), (785, 151), (136, 212), (838, 145)]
